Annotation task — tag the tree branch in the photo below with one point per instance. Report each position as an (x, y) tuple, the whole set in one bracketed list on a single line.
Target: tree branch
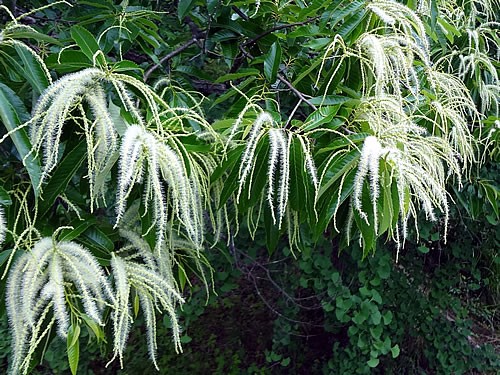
[(239, 59), (296, 92), (169, 56), (277, 28)]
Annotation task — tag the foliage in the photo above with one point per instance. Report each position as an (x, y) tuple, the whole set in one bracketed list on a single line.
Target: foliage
[(139, 138)]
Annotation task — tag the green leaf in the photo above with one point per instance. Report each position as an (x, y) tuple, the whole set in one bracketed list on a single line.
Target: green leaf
[(272, 232), (4, 255), (126, 66), (344, 142), (30, 34), (98, 243), (99, 238), (366, 226), (373, 362), (13, 114), (330, 100), (186, 339), (82, 226), (351, 23), (5, 199), (321, 116), (339, 166), (94, 327), (183, 8), (137, 304), (376, 296), (32, 70), (87, 43), (251, 194), (182, 277), (318, 43), (387, 317), (229, 93), (244, 72), (395, 351), (423, 249), (272, 62), (73, 348), (230, 185), (285, 362), (232, 157), (62, 175), (376, 318), (331, 202), (299, 182), (68, 61), (492, 194)]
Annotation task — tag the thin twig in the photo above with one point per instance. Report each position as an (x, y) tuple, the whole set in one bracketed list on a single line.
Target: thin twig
[(296, 92), (239, 59), (277, 28), (169, 56), (240, 13), (293, 113), (272, 281)]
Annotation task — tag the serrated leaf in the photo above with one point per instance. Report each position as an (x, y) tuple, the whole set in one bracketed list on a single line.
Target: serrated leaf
[(125, 66), (272, 232), (330, 100), (229, 93), (340, 165), (73, 348), (232, 157), (32, 70), (183, 8), (87, 43), (5, 199), (68, 61), (251, 194), (13, 114), (244, 72), (31, 34), (366, 226), (136, 305), (351, 23), (182, 277), (62, 175), (321, 116), (272, 61), (334, 200), (82, 226), (94, 327), (4, 255)]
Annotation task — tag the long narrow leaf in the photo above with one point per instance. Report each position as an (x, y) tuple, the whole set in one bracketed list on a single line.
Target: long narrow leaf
[(13, 113)]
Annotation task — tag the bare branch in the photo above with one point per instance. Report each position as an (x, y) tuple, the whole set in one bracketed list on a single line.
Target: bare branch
[(169, 56)]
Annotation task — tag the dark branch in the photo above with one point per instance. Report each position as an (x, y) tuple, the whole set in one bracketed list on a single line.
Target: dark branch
[(277, 28), (296, 92), (240, 13), (169, 56), (238, 61)]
